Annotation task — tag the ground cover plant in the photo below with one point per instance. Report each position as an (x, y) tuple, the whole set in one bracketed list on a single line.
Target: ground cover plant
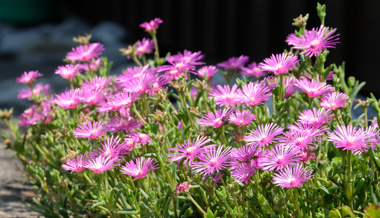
[(156, 141)]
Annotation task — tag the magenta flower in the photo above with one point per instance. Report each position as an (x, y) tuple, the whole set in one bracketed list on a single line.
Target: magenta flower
[(125, 99), (91, 130), (289, 84), (314, 117), (253, 69), (279, 64), (139, 85), (68, 71), (207, 70), (212, 160), (90, 96), (110, 104), (314, 88), (313, 131), (304, 156), (264, 135), (38, 89), (334, 100), (243, 172), (188, 58), (225, 96), (94, 65), (349, 138), (234, 63), (216, 119), (152, 26), (181, 187), (141, 168), (30, 116), (241, 118), (78, 164), (254, 94), (282, 155), (28, 77), (159, 83), (101, 164), (85, 52), (129, 143), (111, 147), (97, 83), (68, 99), (189, 151), (133, 73), (243, 154), (145, 46), (142, 138), (292, 176), (302, 140), (314, 41)]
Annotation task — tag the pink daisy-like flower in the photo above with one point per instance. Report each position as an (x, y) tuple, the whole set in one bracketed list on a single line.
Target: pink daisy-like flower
[(159, 83), (30, 117), (110, 104), (241, 118), (140, 85), (314, 41), (78, 164), (207, 70), (302, 140), (315, 117), (125, 99), (313, 131), (141, 168), (97, 83), (142, 138), (91, 130), (243, 172), (314, 88), (91, 96), (111, 147), (225, 96), (374, 123), (134, 73), (289, 84), (243, 155), (234, 63), (292, 176), (101, 164), (264, 135), (152, 26), (216, 119), (68, 71), (281, 156), (254, 94), (279, 64), (28, 77), (349, 138), (38, 89), (253, 69), (270, 81), (129, 143), (304, 156), (85, 52), (145, 46), (68, 99), (188, 58), (334, 100), (215, 159), (189, 151), (94, 65)]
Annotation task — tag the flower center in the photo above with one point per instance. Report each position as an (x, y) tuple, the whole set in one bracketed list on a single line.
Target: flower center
[(314, 44), (190, 150), (333, 105), (252, 98)]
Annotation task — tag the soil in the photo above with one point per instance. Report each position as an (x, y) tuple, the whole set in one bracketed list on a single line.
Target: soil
[(15, 191)]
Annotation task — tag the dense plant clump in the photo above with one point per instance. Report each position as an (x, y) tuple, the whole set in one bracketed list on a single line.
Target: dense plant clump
[(155, 141)]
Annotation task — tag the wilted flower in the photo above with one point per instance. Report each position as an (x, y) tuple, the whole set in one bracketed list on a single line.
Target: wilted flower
[(145, 46)]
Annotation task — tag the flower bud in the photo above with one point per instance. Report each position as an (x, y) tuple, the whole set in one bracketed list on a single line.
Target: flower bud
[(83, 40), (8, 142)]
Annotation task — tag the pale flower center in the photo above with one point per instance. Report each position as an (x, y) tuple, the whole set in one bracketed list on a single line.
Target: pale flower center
[(280, 157), (241, 121), (213, 162), (253, 99), (189, 150), (314, 43), (292, 179), (333, 105), (172, 72)]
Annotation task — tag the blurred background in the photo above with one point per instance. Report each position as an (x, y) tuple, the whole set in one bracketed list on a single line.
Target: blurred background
[(37, 34)]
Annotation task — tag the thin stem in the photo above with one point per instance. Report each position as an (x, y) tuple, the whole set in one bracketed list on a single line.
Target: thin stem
[(156, 47), (144, 59), (138, 114), (195, 203)]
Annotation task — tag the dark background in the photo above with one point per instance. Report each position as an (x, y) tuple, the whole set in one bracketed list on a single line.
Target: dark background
[(225, 28)]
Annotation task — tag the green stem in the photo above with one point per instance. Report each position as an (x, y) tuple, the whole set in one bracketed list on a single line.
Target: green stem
[(195, 203), (156, 47), (296, 202), (144, 59), (348, 183), (138, 114), (184, 105)]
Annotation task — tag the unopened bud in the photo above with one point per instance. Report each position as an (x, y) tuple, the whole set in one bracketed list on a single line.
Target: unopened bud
[(83, 40), (195, 111), (8, 142)]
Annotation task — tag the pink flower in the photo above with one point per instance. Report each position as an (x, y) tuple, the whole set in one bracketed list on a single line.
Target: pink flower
[(313, 88), (145, 46), (38, 89), (140, 85), (30, 117), (189, 151), (28, 77), (243, 172), (305, 155), (125, 99), (188, 58), (111, 147), (234, 63), (212, 160), (90, 96), (68, 71), (129, 143), (314, 41), (264, 135), (124, 122), (301, 139), (348, 138), (134, 73), (97, 83), (282, 155), (78, 164), (241, 118), (93, 65), (279, 64), (254, 94), (253, 70), (68, 99), (91, 130), (216, 119), (207, 70), (141, 168), (292, 176), (289, 84), (181, 187), (142, 138), (152, 26), (243, 155), (334, 100), (314, 117), (85, 52), (101, 164), (225, 96)]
